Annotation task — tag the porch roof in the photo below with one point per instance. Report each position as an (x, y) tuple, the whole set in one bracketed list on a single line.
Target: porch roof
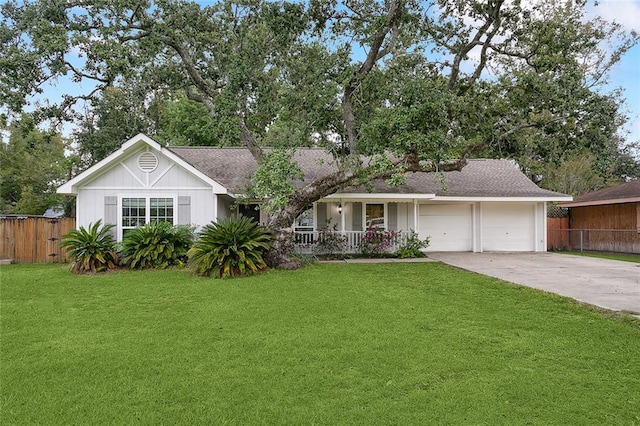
[(233, 168)]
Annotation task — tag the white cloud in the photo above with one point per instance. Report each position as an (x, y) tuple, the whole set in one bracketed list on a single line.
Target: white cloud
[(623, 12)]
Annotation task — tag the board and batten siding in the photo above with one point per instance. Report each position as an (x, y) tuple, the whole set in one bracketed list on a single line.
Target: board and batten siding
[(101, 198)]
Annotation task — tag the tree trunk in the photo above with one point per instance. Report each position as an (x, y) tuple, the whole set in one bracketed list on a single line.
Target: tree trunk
[(281, 221)]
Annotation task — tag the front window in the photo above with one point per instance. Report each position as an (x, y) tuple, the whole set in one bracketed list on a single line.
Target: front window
[(375, 216), (138, 211), (161, 210), (304, 222)]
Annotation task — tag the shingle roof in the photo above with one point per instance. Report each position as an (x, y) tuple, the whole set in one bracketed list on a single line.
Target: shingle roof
[(233, 167), (619, 193)]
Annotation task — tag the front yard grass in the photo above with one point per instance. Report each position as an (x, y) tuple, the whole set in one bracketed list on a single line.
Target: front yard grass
[(625, 257), (411, 343)]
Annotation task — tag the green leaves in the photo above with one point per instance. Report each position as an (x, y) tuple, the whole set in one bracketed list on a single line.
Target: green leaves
[(229, 248), (156, 245), (92, 249), (31, 165), (273, 181)]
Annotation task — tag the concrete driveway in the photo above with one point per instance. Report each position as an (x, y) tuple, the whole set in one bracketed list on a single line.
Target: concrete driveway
[(609, 284)]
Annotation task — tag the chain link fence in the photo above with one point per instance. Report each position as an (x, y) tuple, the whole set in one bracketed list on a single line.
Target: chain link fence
[(611, 240)]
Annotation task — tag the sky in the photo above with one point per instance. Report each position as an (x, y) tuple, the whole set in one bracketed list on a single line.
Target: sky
[(625, 75)]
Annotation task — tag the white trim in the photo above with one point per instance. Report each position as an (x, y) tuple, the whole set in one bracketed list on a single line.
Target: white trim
[(147, 208), (384, 213), (130, 146), (155, 188), (162, 174), (378, 196), (501, 199), (215, 207), (144, 185)]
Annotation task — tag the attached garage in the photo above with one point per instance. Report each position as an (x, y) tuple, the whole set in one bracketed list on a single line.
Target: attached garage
[(489, 205), (449, 226), (508, 227)]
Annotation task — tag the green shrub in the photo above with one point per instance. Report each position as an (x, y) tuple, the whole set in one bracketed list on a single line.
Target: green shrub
[(91, 250), (330, 243), (229, 248), (377, 242), (412, 246), (156, 245)]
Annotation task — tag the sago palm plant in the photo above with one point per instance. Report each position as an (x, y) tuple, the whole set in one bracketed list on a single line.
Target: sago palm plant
[(92, 249), (229, 248), (156, 245)]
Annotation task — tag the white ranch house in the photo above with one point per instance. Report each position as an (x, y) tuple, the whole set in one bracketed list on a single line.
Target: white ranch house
[(488, 206)]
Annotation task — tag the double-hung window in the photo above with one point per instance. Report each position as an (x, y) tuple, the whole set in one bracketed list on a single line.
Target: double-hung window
[(138, 211), (374, 216), (305, 222)]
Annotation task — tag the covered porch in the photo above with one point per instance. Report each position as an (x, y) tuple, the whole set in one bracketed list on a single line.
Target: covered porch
[(460, 224), (349, 220)]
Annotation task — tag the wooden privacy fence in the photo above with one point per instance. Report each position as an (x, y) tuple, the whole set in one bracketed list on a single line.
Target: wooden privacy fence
[(33, 239), (557, 233)]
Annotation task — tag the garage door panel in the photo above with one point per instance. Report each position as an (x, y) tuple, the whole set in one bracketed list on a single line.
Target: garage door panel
[(508, 227), (448, 227)]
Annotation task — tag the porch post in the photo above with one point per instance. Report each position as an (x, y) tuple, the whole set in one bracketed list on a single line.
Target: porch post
[(314, 206), (342, 219), (415, 215), (215, 207)]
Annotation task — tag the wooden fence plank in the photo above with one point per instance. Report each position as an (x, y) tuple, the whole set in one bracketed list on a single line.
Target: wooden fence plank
[(33, 239)]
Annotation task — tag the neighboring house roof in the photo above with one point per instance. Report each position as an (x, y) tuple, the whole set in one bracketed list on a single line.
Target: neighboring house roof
[(628, 192), (233, 167), (54, 212)]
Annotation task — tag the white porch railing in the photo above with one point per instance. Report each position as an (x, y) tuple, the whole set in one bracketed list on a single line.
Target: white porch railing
[(311, 242)]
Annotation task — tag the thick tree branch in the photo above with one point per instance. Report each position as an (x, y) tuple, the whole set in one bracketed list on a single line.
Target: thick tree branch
[(492, 19), (332, 183), (375, 54)]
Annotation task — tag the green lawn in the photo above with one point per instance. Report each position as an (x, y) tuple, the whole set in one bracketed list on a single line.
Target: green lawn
[(625, 257), (412, 343)]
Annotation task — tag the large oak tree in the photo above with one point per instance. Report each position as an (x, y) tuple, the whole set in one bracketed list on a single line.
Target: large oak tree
[(411, 85)]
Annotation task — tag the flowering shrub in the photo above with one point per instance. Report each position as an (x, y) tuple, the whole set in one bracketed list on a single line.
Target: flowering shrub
[(376, 242), (330, 242)]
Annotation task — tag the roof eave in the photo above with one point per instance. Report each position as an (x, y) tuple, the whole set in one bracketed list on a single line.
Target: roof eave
[(504, 198), (600, 202), (71, 187)]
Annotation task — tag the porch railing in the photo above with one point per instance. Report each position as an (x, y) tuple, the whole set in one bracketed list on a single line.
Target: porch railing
[(307, 242)]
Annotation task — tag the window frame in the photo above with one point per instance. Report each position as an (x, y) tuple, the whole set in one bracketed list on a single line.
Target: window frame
[(385, 215), (314, 219), (147, 208)]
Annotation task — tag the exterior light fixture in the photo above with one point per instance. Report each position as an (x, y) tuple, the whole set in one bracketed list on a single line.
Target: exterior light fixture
[(339, 208)]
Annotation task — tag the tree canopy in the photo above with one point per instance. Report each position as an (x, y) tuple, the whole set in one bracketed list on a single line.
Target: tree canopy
[(32, 163), (414, 85)]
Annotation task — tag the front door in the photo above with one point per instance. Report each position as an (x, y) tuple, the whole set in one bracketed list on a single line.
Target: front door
[(250, 210)]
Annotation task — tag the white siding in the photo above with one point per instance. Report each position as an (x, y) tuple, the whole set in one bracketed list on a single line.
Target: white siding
[(125, 179), (127, 174), (225, 205), (405, 216)]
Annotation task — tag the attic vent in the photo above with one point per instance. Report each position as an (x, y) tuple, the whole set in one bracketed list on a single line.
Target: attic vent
[(147, 162)]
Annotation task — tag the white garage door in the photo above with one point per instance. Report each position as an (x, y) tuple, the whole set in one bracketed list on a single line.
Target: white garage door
[(508, 227), (447, 225)]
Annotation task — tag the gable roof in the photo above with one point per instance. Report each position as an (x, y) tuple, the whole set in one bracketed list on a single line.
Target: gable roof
[(229, 170), (131, 146), (628, 192), (233, 167)]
